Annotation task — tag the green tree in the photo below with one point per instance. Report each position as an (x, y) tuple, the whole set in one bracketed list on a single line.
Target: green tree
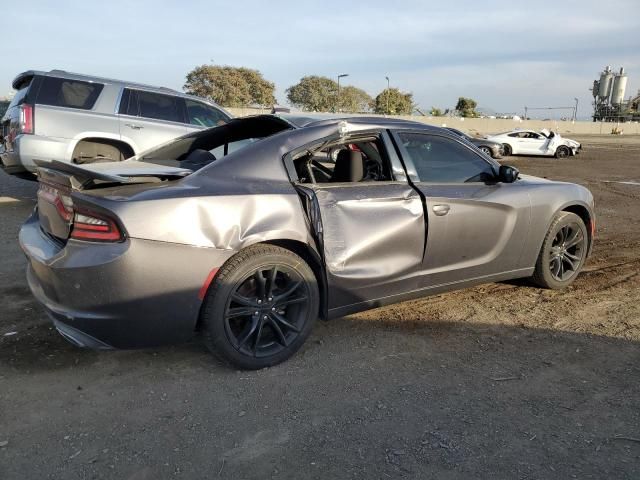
[(466, 107), (314, 93), (354, 100), (392, 101), (230, 86), (435, 112)]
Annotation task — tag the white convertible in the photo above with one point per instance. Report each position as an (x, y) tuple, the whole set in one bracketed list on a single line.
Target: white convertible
[(529, 142)]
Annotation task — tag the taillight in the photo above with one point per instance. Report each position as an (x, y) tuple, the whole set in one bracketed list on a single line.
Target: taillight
[(95, 227), (85, 224), (62, 202), (26, 118)]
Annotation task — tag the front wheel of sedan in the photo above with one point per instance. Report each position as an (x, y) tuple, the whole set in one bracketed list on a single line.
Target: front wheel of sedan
[(261, 307), (563, 152), (486, 150), (563, 252)]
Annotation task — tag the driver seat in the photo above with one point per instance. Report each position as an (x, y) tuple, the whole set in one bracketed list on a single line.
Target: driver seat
[(349, 167)]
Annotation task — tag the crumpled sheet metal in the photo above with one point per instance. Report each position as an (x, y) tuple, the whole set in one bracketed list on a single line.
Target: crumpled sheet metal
[(371, 235), (228, 222)]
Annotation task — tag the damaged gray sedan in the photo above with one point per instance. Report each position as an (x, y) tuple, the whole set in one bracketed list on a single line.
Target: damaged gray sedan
[(251, 231)]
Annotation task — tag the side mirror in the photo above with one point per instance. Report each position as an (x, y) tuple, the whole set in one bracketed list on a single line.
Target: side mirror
[(508, 174)]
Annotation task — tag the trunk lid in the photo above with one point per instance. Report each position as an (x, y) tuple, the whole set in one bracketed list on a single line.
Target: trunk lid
[(58, 180)]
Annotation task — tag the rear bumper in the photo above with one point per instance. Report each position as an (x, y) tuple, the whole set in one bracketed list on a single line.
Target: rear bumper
[(27, 148), (10, 162), (132, 294)]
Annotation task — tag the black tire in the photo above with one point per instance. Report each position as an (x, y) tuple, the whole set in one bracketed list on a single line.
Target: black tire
[(506, 150), (486, 150), (253, 322), (563, 252), (562, 152)]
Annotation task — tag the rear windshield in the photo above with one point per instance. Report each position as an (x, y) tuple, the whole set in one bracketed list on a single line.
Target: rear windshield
[(62, 92), (198, 149)]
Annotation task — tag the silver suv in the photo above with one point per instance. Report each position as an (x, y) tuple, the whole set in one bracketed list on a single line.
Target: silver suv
[(76, 118)]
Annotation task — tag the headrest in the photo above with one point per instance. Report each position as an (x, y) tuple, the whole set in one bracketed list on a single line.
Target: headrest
[(349, 167)]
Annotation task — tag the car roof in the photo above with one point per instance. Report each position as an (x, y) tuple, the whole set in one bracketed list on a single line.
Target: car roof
[(20, 78), (87, 78), (304, 120)]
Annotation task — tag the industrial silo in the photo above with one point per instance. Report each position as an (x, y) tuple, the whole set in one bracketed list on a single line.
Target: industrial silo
[(619, 88), (605, 83)]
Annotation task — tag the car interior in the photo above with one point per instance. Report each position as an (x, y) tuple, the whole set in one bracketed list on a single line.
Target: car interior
[(359, 160), (531, 135)]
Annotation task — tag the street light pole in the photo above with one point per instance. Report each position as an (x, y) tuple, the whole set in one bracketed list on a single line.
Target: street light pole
[(575, 110), (388, 94), (338, 97)]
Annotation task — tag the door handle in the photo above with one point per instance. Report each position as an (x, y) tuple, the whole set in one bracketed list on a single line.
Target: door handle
[(135, 127), (440, 210)]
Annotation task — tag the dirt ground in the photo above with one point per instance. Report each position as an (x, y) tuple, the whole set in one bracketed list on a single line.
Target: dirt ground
[(500, 381)]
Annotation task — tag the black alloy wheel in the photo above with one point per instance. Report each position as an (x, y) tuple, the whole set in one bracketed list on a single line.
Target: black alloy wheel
[(267, 311), (563, 252), (261, 307)]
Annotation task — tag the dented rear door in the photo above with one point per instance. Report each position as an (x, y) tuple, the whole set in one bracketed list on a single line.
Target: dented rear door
[(373, 238)]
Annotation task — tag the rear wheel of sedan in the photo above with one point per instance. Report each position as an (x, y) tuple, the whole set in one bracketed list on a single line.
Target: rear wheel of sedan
[(562, 152), (563, 252), (261, 307), (486, 150)]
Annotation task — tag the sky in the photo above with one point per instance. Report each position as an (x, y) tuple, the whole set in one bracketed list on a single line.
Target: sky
[(501, 53)]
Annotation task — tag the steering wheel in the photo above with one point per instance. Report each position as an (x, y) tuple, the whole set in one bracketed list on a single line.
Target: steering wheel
[(372, 170)]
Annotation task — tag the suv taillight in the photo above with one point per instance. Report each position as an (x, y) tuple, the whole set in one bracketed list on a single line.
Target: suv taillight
[(94, 227), (26, 118)]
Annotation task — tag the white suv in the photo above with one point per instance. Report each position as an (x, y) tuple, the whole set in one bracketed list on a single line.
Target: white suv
[(76, 118)]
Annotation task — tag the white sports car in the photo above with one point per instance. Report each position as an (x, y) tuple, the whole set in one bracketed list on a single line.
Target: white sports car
[(529, 142)]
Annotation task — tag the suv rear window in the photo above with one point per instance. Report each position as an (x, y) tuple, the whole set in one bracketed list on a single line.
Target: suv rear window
[(62, 92)]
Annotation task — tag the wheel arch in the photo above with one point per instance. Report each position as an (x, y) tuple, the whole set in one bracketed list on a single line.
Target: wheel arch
[(309, 255), (125, 147), (303, 250), (586, 216)]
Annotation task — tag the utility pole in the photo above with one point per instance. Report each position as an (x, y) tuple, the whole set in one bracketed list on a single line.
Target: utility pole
[(388, 94), (338, 98), (575, 110)]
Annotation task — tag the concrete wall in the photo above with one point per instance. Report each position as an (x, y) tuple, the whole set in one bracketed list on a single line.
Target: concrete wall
[(494, 125)]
